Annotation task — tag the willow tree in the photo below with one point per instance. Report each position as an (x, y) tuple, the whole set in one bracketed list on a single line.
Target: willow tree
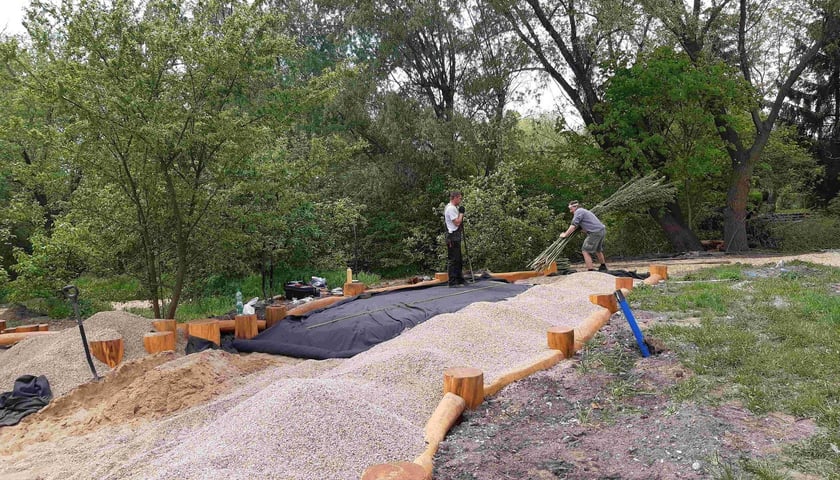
[(168, 96)]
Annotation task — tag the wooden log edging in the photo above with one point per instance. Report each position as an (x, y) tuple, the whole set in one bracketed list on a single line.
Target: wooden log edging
[(449, 409), (13, 338)]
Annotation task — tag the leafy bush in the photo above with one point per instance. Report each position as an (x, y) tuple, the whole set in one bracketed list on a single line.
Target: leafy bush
[(813, 233)]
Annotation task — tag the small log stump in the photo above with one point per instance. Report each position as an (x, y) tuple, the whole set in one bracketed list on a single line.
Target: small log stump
[(43, 327), (467, 383), (206, 329), (661, 270), (165, 325), (442, 277), (26, 328), (354, 288), (551, 268), (563, 339), (246, 326), (606, 300), (155, 342), (395, 471), (2, 325), (274, 314), (110, 352), (623, 282)]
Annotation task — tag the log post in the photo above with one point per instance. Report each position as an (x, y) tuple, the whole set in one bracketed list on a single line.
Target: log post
[(551, 268), (653, 279), (246, 326), (563, 339), (26, 328), (110, 351), (661, 270), (274, 314), (2, 325), (354, 288), (206, 329), (11, 338), (606, 300), (155, 342), (623, 282), (395, 471), (43, 327), (165, 325), (441, 277), (467, 383)]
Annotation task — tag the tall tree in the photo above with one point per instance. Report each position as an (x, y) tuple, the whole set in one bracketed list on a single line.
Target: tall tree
[(740, 33), (168, 97), (578, 44)]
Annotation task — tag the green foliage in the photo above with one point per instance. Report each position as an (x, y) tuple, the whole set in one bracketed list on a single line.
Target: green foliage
[(813, 233), (770, 342)]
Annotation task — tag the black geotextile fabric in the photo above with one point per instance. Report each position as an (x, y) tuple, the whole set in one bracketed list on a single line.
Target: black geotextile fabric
[(29, 394), (628, 273), (354, 325)]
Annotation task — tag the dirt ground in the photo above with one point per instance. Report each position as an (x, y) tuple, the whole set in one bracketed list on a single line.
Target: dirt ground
[(583, 421), (607, 413)]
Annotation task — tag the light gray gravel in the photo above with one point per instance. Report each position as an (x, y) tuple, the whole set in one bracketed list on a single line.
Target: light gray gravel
[(61, 356), (333, 419)]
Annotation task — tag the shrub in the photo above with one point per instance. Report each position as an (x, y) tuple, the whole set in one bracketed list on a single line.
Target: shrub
[(813, 233)]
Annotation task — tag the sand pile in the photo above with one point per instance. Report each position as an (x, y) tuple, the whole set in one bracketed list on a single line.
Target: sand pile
[(61, 357)]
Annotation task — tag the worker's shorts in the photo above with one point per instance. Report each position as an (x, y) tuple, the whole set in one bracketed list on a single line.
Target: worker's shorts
[(594, 241)]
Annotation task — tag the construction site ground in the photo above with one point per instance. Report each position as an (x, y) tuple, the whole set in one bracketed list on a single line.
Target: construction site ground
[(560, 423)]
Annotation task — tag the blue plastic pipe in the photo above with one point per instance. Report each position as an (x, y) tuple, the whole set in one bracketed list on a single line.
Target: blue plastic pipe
[(628, 314)]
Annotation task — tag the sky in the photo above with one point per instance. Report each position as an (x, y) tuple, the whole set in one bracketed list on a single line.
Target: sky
[(11, 14)]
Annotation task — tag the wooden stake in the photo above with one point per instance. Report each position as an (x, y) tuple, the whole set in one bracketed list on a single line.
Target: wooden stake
[(354, 288), (467, 383), (661, 270), (274, 314), (165, 325), (606, 300), (206, 329), (563, 339), (246, 326), (26, 328), (12, 338), (155, 342), (349, 275), (442, 277), (110, 352), (395, 471), (623, 282)]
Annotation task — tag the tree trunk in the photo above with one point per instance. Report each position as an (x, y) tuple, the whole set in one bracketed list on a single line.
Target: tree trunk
[(735, 213), (671, 220)]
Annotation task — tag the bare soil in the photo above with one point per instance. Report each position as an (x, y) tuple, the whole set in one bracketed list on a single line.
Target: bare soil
[(608, 414)]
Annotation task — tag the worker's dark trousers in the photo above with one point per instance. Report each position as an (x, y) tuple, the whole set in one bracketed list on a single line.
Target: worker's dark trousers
[(455, 261)]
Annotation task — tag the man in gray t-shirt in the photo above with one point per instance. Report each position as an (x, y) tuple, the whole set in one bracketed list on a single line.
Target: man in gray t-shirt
[(595, 232)]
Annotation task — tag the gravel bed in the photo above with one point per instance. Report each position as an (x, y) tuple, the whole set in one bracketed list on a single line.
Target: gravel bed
[(61, 356), (332, 419)]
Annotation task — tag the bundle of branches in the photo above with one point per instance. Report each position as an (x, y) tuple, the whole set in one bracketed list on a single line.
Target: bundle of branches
[(636, 195)]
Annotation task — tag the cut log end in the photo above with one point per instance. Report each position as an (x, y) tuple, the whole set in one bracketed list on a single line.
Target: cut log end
[(353, 289), (207, 329), (164, 325), (274, 314), (156, 342), (396, 471), (246, 326), (563, 339), (661, 270), (623, 282), (467, 383), (442, 277), (110, 352), (606, 300)]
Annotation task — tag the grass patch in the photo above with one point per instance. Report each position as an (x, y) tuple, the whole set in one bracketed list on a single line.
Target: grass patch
[(776, 345)]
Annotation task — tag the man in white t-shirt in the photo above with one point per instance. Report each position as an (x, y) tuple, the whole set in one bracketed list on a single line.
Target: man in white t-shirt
[(453, 216)]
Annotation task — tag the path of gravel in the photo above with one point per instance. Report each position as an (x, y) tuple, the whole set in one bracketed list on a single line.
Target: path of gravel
[(331, 419)]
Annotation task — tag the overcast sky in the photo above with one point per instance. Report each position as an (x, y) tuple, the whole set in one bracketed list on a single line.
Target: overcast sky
[(11, 13)]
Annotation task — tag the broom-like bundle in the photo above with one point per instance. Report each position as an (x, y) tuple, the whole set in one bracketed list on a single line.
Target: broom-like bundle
[(636, 195)]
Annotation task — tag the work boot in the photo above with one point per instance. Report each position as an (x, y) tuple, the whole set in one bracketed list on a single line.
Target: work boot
[(603, 267)]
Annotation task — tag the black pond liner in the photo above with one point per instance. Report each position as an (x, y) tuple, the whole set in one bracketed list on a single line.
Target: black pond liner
[(358, 323)]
